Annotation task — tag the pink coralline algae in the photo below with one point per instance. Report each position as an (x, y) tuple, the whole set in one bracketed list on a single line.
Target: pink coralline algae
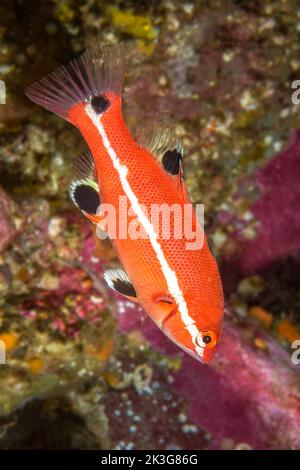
[(69, 306), (276, 211), (246, 395)]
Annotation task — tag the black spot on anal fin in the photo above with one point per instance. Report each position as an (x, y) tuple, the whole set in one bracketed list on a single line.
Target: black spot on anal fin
[(100, 104), (171, 161), (86, 198), (84, 189)]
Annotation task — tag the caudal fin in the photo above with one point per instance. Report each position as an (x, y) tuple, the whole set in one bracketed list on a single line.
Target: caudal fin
[(98, 70)]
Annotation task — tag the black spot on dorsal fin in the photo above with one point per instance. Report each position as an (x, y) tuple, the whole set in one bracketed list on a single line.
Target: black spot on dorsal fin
[(160, 139), (117, 279), (171, 161), (100, 104)]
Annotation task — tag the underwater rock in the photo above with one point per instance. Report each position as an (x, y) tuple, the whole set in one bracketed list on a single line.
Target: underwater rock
[(275, 210), (45, 354), (8, 229), (47, 423), (58, 334), (210, 65), (248, 394)]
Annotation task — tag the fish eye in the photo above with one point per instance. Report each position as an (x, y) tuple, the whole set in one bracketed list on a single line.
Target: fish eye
[(207, 338)]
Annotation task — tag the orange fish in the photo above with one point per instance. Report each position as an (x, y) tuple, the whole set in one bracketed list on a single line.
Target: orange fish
[(178, 286)]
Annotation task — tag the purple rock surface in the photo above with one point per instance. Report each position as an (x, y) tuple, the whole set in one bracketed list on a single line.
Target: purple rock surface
[(243, 390), (276, 211)]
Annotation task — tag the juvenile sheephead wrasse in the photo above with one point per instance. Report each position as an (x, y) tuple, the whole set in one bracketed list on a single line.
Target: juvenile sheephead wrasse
[(179, 288)]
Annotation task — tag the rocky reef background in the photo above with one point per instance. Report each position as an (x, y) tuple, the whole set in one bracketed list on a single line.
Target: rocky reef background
[(84, 369)]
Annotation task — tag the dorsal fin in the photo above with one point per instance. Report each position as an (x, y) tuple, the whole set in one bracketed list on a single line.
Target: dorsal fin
[(84, 189), (98, 70), (118, 280), (160, 140)]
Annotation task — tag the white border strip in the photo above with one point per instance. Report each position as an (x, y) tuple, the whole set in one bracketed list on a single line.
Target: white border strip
[(168, 273)]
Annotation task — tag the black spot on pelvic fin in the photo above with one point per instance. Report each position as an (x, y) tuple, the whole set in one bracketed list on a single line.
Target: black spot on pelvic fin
[(124, 288), (100, 104), (171, 161), (87, 198), (118, 280)]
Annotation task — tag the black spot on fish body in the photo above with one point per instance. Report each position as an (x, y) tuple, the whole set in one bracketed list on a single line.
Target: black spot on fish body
[(171, 161), (87, 198), (100, 104)]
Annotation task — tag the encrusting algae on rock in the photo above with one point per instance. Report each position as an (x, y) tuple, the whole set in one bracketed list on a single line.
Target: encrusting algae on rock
[(224, 72), (136, 25)]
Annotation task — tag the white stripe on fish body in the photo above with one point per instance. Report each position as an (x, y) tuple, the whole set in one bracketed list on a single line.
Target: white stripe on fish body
[(168, 273)]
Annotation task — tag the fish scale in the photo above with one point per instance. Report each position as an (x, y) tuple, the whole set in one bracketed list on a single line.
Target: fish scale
[(179, 288)]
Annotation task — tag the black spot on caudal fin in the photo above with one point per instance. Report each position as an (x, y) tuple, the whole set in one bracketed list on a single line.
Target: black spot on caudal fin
[(100, 104), (171, 161), (86, 198)]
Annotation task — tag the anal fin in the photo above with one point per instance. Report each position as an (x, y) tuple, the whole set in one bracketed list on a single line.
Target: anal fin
[(84, 189)]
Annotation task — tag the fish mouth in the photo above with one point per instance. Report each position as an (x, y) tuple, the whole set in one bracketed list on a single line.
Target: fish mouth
[(208, 355), (194, 355), (205, 358)]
